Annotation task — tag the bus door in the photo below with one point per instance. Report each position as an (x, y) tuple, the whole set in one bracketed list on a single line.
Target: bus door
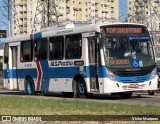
[(6, 66), (13, 59), (41, 48), (93, 63)]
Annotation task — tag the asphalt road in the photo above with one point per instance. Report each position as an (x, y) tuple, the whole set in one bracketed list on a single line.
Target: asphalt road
[(138, 98)]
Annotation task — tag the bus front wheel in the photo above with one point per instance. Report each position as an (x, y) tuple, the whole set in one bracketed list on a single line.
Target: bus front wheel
[(30, 86), (151, 92), (79, 89)]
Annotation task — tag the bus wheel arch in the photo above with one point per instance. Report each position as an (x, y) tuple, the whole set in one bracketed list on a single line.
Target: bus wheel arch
[(79, 86), (29, 85)]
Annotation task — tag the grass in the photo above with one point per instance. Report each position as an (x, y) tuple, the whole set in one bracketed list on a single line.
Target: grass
[(1, 83), (20, 105), (27, 105), (1, 86)]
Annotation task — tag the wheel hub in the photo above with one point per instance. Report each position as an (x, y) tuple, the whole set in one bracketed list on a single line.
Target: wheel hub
[(81, 89), (29, 88)]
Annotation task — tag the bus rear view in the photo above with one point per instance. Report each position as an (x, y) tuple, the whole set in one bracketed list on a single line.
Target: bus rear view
[(129, 59)]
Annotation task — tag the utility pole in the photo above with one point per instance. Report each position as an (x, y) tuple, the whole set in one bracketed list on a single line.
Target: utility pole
[(5, 13), (9, 21), (46, 14), (151, 22), (9, 17), (140, 11)]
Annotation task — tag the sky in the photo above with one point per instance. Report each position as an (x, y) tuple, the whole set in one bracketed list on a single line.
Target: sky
[(123, 9)]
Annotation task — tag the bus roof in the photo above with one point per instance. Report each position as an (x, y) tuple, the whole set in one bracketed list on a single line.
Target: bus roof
[(17, 38), (65, 30)]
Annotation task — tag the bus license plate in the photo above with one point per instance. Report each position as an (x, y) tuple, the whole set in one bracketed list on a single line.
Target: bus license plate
[(133, 86)]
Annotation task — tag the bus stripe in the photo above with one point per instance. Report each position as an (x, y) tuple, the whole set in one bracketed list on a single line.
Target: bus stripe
[(39, 75), (37, 35)]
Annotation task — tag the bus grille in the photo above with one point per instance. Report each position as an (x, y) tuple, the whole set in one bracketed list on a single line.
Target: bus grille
[(132, 73)]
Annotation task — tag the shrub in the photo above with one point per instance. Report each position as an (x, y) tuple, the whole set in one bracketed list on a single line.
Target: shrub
[(1, 66)]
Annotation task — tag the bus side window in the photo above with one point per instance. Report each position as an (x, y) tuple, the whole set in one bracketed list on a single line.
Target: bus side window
[(56, 46), (6, 53), (44, 48), (26, 51), (73, 46), (41, 48)]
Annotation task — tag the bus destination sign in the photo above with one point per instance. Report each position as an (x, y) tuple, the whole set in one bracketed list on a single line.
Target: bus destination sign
[(123, 30)]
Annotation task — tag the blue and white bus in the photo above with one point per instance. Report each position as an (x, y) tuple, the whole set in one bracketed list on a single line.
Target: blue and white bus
[(81, 60)]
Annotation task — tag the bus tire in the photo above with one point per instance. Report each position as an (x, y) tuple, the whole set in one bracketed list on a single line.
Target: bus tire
[(79, 89), (125, 95), (30, 89), (151, 92), (67, 94)]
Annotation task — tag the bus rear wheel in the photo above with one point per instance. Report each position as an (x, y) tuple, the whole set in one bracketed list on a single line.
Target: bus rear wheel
[(125, 95), (30, 86)]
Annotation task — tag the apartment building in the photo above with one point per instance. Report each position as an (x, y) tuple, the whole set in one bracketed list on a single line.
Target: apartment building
[(146, 12), (25, 11), (97, 10), (23, 16)]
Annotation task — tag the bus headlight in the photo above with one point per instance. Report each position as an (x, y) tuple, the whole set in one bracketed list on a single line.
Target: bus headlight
[(153, 73), (111, 76)]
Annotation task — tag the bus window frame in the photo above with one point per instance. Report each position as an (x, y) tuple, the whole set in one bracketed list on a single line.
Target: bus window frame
[(63, 46), (31, 49), (65, 50), (35, 50)]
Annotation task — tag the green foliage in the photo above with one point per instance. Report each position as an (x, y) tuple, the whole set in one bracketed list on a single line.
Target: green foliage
[(1, 66), (49, 106)]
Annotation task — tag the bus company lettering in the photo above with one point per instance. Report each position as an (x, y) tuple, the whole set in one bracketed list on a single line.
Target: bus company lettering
[(60, 63), (124, 30), (64, 32)]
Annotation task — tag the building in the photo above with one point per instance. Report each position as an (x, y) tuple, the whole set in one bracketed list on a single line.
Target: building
[(23, 16), (97, 10), (146, 12), (30, 14)]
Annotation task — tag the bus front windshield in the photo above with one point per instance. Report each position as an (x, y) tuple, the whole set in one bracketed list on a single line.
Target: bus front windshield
[(128, 51)]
